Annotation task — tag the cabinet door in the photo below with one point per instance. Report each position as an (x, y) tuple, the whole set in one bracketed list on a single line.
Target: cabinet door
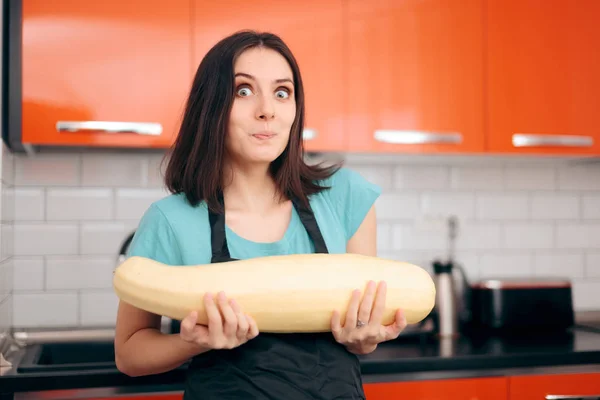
[(144, 396), (104, 73), (312, 29), (543, 59), (555, 386), (451, 389), (415, 76)]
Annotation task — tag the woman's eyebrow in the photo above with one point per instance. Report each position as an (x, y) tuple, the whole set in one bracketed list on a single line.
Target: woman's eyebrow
[(253, 78)]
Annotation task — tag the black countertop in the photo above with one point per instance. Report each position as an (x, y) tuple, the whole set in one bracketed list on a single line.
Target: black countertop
[(411, 357)]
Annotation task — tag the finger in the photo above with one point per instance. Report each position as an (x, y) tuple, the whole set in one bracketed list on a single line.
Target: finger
[(253, 328), (336, 326), (215, 323), (242, 322), (229, 317), (351, 313), (188, 323), (379, 306), (364, 312), (395, 328)]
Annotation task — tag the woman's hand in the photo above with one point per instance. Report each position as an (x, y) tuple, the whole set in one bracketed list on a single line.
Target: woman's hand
[(362, 330), (228, 331)]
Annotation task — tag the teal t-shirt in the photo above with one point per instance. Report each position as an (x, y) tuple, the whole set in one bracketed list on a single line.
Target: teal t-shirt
[(173, 232)]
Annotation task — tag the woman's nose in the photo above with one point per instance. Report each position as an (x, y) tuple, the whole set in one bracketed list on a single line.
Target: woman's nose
[(265, 109)]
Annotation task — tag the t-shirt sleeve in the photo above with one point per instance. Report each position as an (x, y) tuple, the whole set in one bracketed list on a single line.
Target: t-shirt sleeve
[(352, 196), (154, 238)]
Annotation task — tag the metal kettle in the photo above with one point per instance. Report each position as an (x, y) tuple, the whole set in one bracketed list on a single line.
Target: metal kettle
[(446, 315), (448, 312)]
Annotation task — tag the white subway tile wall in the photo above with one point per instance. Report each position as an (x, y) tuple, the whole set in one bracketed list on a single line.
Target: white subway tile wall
[(73, 210), (592, 264), (6, 232), (6, 240), (590, 207)]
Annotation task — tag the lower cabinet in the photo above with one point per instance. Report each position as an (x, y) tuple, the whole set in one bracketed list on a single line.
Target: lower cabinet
[(444, 389), (145, 396), (555, 386), (574, 386)]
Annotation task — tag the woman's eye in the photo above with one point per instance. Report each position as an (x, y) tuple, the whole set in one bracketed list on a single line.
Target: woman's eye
[(244, 92), (282, 94)]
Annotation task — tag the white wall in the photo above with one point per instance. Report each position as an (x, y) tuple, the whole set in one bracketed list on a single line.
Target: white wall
[(6, 240), (6, 205), (72, 211)]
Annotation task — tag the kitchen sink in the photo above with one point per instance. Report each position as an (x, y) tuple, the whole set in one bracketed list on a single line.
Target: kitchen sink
[(68, 357)]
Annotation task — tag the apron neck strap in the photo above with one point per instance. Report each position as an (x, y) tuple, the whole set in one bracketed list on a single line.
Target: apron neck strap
[(218, 241), (307, 216), (220, 250)]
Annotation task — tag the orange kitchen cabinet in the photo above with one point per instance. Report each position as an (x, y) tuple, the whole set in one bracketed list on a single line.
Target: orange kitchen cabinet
[(543, 85), (313, 31), (443, 389), (414, 76), (147, 396), (527, 387), (103, 73)]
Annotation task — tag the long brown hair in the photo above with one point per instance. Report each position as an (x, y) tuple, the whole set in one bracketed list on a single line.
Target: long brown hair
[(195, 166)]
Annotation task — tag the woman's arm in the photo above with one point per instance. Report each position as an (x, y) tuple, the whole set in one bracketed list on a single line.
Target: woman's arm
[(364, 340), (364, 240), (142, 349)]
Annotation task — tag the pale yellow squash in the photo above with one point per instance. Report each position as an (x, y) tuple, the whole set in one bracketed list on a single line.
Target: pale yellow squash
[(290, 293)]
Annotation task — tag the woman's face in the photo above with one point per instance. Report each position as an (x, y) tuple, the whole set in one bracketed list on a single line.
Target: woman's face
[(264, 107)]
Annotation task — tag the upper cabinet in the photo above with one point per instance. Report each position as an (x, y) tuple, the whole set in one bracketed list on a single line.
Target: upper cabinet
[(98, 73), (312, 29), (410, 76), (414, 76), (542, 77)]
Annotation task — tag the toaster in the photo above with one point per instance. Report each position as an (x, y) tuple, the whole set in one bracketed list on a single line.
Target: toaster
[(519, 304)]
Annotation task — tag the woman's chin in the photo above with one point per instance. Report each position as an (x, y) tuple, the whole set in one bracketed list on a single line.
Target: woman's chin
[(263, 157)]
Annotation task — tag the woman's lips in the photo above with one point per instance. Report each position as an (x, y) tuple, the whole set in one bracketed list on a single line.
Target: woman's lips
[(263, 135)]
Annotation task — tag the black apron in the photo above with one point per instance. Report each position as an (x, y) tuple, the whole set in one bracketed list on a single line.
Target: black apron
[(303, 366)]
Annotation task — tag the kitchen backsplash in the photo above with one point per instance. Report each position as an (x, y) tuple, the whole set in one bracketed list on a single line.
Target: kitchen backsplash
[(6, 231), (6, 239), (73, 210)]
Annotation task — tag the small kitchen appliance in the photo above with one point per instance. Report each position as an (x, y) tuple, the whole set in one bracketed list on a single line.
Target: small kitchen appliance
[(522, 304)]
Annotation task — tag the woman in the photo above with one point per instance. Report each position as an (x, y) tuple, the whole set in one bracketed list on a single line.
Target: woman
[(240, 189)]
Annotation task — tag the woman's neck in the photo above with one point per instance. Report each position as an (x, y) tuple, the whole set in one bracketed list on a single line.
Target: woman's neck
[(249, 188)]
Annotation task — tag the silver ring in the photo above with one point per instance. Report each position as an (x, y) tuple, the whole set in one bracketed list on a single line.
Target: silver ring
[(360, 324)]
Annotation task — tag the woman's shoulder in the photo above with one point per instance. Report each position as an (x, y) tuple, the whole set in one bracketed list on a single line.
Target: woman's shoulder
[(345, 176), (176, 203), (347, 181), (349, 195), (166, 226), (174, 210)]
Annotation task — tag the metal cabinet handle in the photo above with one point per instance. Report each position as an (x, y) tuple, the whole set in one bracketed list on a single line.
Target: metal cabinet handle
[(572, 397), (531, 140), (309, 134), (141, 128), (416, 137)]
